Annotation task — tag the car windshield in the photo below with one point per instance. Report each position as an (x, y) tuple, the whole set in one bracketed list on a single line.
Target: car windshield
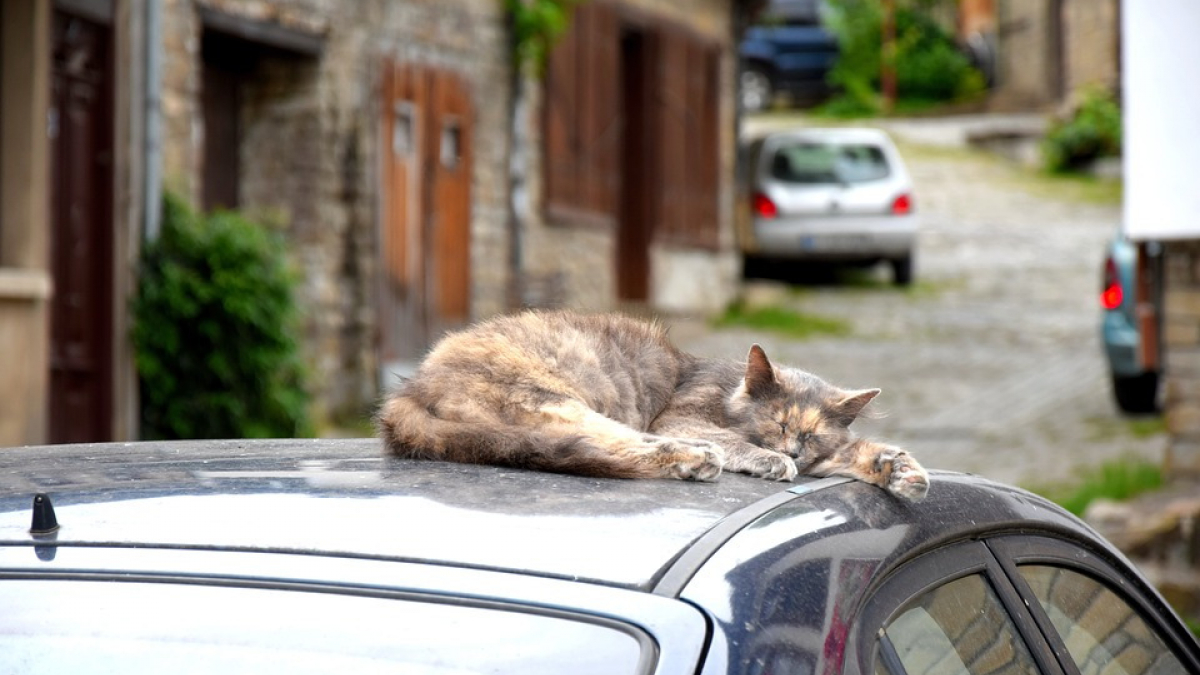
[(825, 163)]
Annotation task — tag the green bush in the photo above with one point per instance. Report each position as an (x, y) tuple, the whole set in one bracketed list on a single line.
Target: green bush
[(929, 68), (1092, 132), (214, 331)]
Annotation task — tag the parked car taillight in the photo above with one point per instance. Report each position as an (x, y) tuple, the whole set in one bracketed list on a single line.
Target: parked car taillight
[(902, 205), (1112, 295), (764, 207)]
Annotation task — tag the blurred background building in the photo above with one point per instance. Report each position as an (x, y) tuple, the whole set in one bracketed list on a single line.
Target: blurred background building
[(377, 136)]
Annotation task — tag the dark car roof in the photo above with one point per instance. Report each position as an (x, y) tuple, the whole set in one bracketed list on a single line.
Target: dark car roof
[(343, 497)]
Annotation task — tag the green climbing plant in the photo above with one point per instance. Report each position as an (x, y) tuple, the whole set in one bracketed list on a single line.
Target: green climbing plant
[(536, 24)]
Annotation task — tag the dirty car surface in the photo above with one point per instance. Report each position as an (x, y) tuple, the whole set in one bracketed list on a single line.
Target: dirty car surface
[(314, 556)]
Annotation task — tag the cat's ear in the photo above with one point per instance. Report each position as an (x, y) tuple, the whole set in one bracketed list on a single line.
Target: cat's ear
[(848, 409), (760, 375)]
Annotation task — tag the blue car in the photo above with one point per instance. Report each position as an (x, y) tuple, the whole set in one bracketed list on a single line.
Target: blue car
[(789, 52), (1134, 383)]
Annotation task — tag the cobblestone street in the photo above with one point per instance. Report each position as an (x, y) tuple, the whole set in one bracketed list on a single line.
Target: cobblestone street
[(991, 362)]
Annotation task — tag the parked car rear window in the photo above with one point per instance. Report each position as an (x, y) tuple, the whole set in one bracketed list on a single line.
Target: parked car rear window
[(1101, 631), (81, 627), (959, 628), (825, 163)]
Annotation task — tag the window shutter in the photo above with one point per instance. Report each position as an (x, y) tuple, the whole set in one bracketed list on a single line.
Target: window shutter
[(451, 173), (601, 113), (561, 113), (583, 116), (689, 112)]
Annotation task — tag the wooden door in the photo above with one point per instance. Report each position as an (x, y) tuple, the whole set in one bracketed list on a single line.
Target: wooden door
[(638, 177), (81, 236), (426, 197)]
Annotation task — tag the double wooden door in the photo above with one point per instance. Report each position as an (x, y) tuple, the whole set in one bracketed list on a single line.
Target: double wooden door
[(426, 194)]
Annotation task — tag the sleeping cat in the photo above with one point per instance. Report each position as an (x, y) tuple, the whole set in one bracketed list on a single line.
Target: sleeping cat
[(609, 396)]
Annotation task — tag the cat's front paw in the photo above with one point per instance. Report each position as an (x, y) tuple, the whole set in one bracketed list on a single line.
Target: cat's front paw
[(688, 459), (774, 466), (907, 479)]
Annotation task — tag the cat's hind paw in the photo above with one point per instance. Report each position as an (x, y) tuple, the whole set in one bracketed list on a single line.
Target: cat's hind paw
[(907, 479)]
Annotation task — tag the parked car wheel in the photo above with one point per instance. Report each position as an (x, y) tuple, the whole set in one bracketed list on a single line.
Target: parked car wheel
[(1137, 394), (902, 270), (755, 89)]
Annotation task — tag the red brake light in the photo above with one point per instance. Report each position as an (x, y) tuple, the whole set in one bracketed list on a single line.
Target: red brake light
[(764, 207), (1113, 295), (902, 205)]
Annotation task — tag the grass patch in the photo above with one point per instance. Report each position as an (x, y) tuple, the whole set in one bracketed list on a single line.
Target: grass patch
[(790, 323), (1139, 428), (1146, 427), (857, 278), (1118, 480), (1075, 187)]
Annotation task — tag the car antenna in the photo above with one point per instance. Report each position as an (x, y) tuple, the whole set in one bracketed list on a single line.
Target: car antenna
[(44, 520)]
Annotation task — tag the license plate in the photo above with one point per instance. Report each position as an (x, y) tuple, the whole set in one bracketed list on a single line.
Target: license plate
[(836, 242)]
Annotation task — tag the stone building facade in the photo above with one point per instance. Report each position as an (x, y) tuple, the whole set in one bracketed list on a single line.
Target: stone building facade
[(377, 135), (1045, 51), (1180, 355), (309, 114)]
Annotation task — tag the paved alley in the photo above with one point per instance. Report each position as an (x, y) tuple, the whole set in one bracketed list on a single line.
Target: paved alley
[(991, 362)]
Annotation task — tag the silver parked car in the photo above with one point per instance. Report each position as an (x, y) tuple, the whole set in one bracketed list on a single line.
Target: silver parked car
[(838, 195)]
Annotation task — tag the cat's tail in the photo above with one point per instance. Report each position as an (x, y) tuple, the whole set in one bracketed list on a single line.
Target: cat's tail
[(409, 429)]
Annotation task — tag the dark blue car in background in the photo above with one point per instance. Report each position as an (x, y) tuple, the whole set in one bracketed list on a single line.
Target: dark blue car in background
[(790, 51)]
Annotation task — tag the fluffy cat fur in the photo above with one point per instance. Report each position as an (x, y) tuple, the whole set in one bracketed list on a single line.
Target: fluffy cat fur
[(609, 396)]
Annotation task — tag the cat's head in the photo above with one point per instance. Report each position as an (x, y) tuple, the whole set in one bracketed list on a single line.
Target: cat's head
[(794, 412)]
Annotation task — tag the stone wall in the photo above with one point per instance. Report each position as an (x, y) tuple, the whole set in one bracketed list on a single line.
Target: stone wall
[(1091, 44), (25, 275), (310, 160), (1048, 50), (1028, 70), (310, 132), (1181, 352)]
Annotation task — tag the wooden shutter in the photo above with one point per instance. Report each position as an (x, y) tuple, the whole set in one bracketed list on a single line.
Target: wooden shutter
[(689, 133), (561, 162), (402, 120), (451, 175), (583, 118)]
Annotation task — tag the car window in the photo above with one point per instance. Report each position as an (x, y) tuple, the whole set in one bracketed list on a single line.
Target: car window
[(72, 626), (825, 163), (1102, 633), (958, 628)]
